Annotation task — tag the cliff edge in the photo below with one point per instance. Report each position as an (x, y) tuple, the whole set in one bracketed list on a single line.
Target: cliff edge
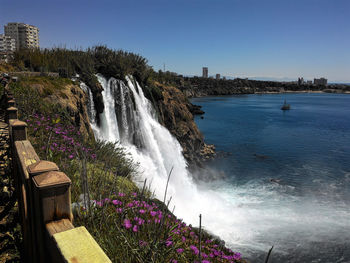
[(175, 114)]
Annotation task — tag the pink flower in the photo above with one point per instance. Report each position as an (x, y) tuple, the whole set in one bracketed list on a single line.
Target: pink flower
[(134, 228), (119, 210), (168, 243), (121, 194), (116, 202), (153, 213), (179, 250), (141, 211), (127, 224), (237, 256), (194, 249), (142, 243), (140, 221)]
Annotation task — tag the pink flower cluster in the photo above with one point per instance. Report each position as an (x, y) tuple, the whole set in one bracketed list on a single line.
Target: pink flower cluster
[(139, 216), (62, 139)]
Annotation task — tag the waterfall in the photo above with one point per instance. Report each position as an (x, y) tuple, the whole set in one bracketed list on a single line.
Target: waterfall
[(124, 117), (130, 119), (108, 129)]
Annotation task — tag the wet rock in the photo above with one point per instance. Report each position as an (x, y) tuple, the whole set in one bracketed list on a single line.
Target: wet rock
[(208, 151), (195, 109), (175, 114)]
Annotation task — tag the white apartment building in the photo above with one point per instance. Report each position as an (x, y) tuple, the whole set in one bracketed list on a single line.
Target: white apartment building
[(26, 36), (7, 44)]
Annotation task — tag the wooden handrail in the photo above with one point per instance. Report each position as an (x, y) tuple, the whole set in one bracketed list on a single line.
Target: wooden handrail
[(44, 202)]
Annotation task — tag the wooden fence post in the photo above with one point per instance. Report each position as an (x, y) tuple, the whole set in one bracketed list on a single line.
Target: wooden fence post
[(52, 201), (18, 130), (33, 170), (11, 103), (11, 113), (23, 154)]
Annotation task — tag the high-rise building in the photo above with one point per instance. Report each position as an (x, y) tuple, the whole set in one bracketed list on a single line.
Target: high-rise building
[(7, 44), (217, 76), (321, 81), (26, 36), (205, 72), (300, 81)]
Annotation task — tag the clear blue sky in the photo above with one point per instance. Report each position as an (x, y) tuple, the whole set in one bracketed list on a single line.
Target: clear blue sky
[(252, 38)]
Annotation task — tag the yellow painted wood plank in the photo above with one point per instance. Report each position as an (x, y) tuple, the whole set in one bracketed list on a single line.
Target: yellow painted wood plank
[(78, 246)]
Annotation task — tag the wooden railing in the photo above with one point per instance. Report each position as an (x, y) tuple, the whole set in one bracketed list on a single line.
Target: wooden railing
[(44, 202)]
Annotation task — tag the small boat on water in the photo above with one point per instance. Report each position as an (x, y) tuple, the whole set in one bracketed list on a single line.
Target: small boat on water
[(285, 106)]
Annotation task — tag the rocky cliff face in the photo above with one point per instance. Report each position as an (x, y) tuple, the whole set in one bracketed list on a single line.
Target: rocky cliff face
[(96, 90), (175, 114)]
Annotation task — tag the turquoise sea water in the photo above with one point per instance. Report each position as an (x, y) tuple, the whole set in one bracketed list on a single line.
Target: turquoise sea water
[(305, 210)]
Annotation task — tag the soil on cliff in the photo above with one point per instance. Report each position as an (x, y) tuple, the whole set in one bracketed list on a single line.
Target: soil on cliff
[(61, 93)]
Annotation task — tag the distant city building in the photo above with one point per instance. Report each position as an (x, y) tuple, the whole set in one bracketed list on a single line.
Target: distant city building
[(224, 78), (321, 81), (7, 44), (26, 36), (309, 82), (300, 81), (205, 72), (217, 76)]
